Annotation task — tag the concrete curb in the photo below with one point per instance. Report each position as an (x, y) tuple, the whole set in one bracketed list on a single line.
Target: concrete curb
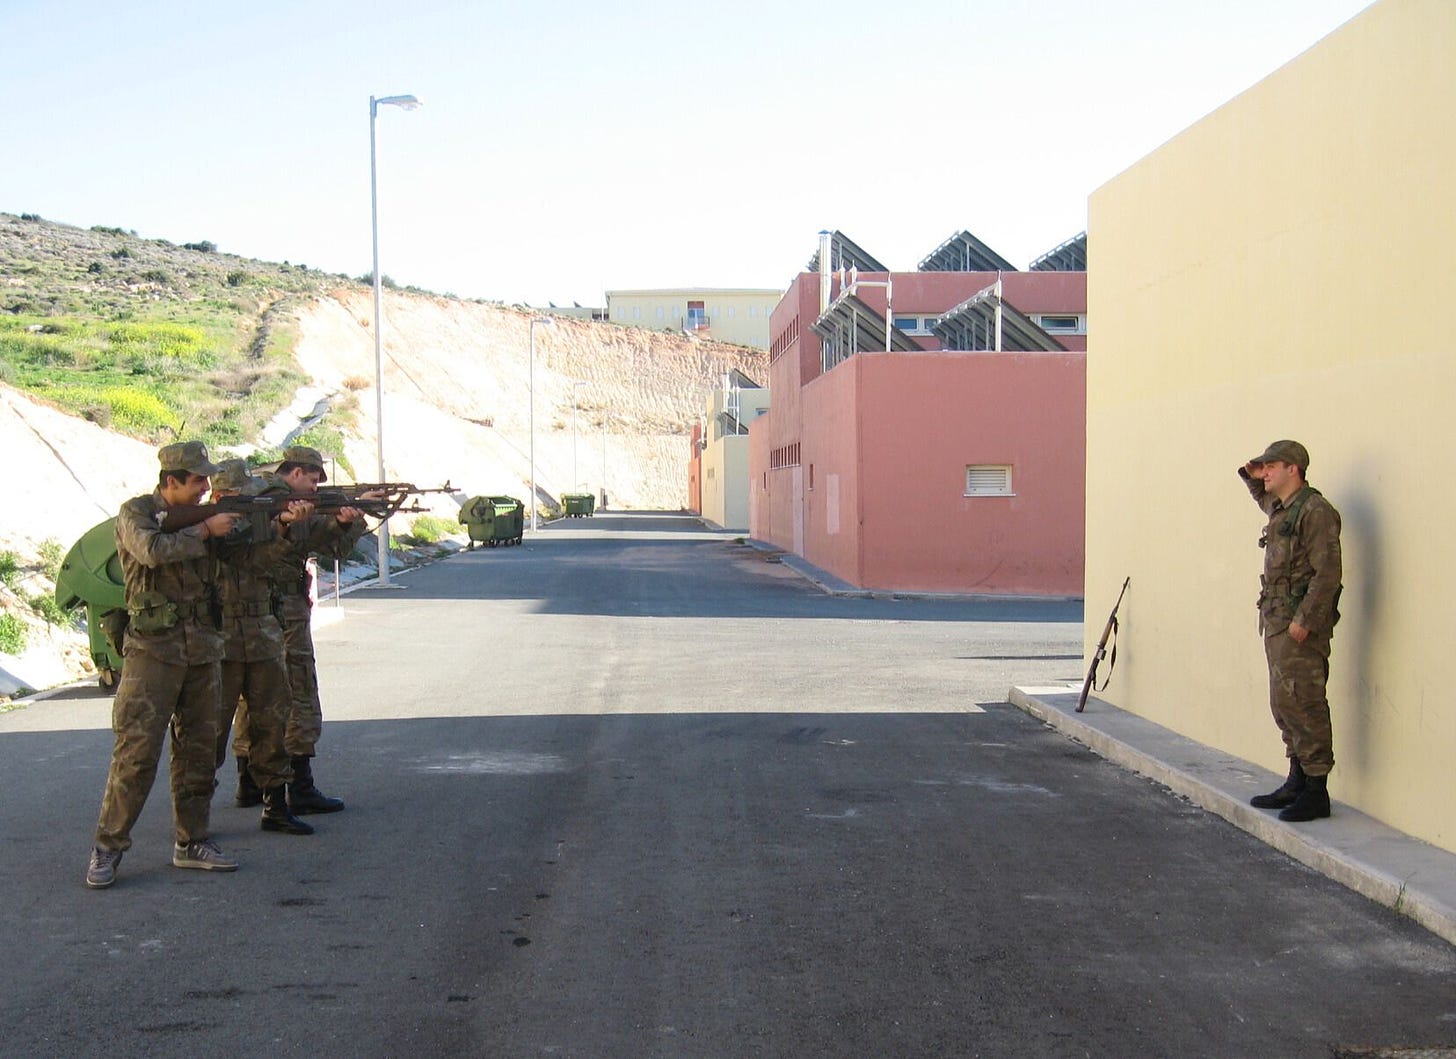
[(833, 586), (1405, 874)]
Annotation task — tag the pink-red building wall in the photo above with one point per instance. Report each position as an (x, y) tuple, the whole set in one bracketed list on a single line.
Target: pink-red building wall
[(695, 471), (884, 440)]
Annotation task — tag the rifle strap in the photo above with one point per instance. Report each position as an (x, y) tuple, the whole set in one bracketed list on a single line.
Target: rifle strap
[(1111, 659)]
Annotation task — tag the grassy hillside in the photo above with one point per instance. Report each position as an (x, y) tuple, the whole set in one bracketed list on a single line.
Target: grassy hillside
[(149, 338)]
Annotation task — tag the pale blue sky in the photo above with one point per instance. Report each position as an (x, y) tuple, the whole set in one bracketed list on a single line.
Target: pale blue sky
[(568, 148)]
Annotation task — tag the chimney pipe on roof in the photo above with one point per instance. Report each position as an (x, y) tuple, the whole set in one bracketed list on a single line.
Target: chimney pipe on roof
[(826, 241)]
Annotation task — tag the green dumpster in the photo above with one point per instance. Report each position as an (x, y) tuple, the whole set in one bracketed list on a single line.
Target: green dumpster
[(579, 505), (477, 515), (510, 520), (91, 576)]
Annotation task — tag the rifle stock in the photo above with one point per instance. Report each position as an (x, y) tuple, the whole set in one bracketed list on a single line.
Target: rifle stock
[(1108, 631)]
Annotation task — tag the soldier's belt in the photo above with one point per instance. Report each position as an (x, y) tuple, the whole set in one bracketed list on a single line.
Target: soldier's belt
[(250, 608), (199, 610)]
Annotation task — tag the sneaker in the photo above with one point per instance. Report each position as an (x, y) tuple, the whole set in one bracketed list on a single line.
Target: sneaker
[(101, 873), (204, 855)]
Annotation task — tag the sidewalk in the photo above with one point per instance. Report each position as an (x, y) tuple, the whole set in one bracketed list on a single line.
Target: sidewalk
[(1412, 877)]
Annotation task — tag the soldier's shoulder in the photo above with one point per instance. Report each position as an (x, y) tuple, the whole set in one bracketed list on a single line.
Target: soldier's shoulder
[(1319, 509), (146, 505)]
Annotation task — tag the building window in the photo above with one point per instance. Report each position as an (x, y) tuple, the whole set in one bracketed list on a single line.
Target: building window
[(661, 312), (988, 479), (753, 310), (1064, 324), (636, 312), (731, 312), (914, 325)]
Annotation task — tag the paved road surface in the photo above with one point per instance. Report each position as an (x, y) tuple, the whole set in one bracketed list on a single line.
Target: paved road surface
[(632, 790)]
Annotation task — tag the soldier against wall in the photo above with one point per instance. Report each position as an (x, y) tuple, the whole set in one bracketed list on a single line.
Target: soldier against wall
[(1298, 609)]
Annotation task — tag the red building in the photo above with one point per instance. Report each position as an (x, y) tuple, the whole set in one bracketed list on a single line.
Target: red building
[(954, 462)]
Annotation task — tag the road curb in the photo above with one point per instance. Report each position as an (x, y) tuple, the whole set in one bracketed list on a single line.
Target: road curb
[(1407, 875)]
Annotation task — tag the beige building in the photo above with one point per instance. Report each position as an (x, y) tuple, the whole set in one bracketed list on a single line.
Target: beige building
[(1278, 270), (739, 316), (724, 457)]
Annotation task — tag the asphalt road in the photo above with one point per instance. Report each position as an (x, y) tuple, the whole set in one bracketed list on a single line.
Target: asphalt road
[(631, 790)]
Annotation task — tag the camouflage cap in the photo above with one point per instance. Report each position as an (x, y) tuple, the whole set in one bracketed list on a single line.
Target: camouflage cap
[(1285, 452), (231, 477), (262, 484), (189, 456), (309, 457)]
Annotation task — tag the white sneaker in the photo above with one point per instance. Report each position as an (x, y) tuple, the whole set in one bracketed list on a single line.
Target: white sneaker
[(204, 855)]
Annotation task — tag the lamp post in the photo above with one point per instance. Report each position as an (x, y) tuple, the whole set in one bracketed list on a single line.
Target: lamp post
[(544, 321), (575, 481), (405, 103)]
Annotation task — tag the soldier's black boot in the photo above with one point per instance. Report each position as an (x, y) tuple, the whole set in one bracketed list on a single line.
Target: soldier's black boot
[(303, 796), (249, 793), (1285, 795), (1313, 803), (276, 816)]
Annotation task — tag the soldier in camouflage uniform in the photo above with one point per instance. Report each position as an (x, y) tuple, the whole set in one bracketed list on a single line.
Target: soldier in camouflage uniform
[(253, 662), (331, 535), (171, 675), (1298, 609)]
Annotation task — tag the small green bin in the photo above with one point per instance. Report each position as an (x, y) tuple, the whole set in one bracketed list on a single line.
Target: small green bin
[(579, 505), (510, 520), (91, 576)]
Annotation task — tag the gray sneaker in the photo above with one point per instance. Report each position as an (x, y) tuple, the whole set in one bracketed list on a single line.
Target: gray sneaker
[(101, 872), (204, 855)]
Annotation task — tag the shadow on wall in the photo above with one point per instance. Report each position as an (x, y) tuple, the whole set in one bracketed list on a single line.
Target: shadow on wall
[(1360, 514)]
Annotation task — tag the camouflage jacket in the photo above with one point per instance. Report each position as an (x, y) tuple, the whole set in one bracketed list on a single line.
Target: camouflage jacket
[(1302, 566), (169, 580), (322, 535), (251, 630)]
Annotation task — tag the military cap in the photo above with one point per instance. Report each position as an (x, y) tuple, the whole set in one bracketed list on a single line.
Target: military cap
[(1285, 452), (189, 456), (306, 456), (232, 476)]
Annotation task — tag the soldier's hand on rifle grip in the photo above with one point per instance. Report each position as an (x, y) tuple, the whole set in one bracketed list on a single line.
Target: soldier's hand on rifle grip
[(296, 511), (219, 525), (347, 515)]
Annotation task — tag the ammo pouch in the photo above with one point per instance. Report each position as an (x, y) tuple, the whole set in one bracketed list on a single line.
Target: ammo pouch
[(152, 612)]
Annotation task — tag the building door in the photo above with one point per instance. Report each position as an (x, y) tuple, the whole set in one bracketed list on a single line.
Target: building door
[(798, 504)]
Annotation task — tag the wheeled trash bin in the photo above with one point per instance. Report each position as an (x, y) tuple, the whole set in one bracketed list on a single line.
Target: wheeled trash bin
[(91, 576), (477, 515), (510, 520)]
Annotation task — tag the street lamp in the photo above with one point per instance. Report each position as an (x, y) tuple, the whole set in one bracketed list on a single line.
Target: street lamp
[(575, 481), (404, 103), (544, 321)]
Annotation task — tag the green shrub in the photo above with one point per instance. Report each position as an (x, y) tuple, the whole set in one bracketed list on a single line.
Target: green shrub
[(431, 528), (237, 278), (9, 568), (47, 607), (12, 634), (138, 410), (52, 552)]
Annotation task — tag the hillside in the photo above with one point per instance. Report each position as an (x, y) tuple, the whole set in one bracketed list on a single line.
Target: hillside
[(104, 355)]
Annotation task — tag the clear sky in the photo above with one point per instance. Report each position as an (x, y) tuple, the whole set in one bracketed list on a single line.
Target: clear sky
[(566, 148)]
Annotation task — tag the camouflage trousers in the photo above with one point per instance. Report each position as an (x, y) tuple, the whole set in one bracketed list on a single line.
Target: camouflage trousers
[(261, 718), (1297, 675), (151, 698), (305, 720)]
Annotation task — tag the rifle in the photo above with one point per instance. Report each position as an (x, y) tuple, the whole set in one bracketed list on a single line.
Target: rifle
[(1110, 630), (259, 510)]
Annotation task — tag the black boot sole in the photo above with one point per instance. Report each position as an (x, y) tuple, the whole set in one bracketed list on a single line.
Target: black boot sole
[(1273, 801), (289, 826)]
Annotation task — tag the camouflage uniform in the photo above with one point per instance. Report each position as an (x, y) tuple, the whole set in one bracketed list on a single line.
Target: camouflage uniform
[(170, 678), (253, 662), (323, 535), (1300, 584)]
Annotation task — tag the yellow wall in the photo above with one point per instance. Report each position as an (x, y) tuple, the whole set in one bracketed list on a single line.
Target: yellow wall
[(1286, 268), (725, 461), (737, 316)]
